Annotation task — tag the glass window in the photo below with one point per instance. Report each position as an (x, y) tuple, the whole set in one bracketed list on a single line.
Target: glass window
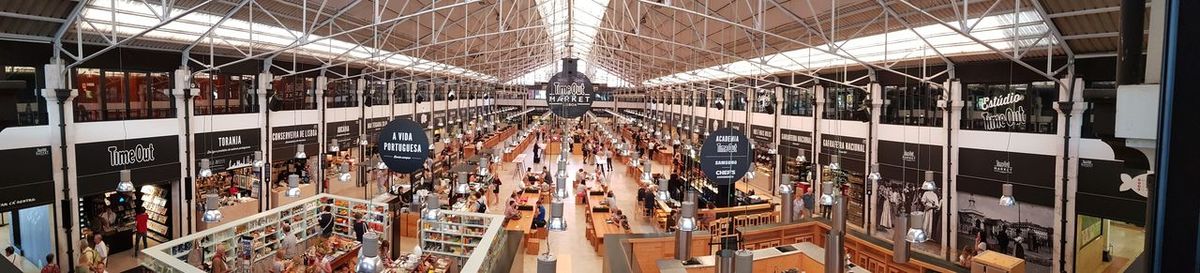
[(718, 100), (341, 93), (162, 102), (764, 101), (423, 92), (113, 90), (294, 93), (912, 105), (376, 93), (401, 92), (225, 94), (702, 98), (739, 100), (31, 106), (439, 90), (798, 101), (121, 95), (1022, 107), (846, 103)]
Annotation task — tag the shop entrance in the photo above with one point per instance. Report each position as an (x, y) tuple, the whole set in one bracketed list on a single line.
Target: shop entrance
[(1106, 245), (112, 215)]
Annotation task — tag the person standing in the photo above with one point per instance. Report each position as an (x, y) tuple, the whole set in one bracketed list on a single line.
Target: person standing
[(51, 266), (88, 257), (608, 155), (797, 207), (326, 222), (289, 243), (139, 234), (100, 247), (360, 227), (219, 264)]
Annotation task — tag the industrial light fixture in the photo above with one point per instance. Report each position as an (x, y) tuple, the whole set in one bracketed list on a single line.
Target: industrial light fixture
[(380, 165), (929, 184), (462, 187), (362, 140), (916, 232), (293, 186), (205, 168), (874, 175), (333, 146), (212, 212), (687, 217), (801, 158), (344, 172), (664, 192), (827, 193), (833, 163), (1007, 199), (258, 159), (368, 257), (432, 208), (125, 185), (556, 223), (300, 152)]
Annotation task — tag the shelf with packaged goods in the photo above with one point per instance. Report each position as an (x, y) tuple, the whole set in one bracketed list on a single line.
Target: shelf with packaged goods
[(263, 229)]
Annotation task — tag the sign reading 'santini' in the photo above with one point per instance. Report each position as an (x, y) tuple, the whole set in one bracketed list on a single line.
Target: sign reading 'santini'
[(726, 156), (569, 93), (403, 146)]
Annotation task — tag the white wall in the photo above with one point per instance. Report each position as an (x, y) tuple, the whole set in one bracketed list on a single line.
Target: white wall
[(24, 137)]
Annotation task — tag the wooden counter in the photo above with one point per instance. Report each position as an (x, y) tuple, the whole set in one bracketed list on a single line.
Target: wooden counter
[(520, 149), (597, 223), (995, 262), (807, 257), (664, 155)]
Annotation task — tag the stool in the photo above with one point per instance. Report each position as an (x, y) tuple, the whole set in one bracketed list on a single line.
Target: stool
[(531, 246)]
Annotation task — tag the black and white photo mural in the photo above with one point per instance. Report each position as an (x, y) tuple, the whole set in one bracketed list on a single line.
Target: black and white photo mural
[(902, 168), (1023, 228)]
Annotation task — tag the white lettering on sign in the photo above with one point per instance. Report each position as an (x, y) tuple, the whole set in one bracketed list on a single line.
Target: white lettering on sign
[(137, 154), (795, 138), (857, 147), (229, 140), (725, 162), (727, 138), (909, 156), (1004, 167), (986, 103), (1011, 117), (343, 129), (727, 148), (765, 133), (293, 134), (575, 88), (724, 173), (376, 124)]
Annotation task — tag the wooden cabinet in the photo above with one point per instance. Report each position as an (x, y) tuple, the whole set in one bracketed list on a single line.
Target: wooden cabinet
[(996, 262)]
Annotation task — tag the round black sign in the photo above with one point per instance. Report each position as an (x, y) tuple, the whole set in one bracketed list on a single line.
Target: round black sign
[(726, 156), (569, 94), (403, 146)]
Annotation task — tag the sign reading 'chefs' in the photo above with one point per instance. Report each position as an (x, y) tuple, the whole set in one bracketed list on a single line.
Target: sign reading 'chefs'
[(403, 146), (726, 156)]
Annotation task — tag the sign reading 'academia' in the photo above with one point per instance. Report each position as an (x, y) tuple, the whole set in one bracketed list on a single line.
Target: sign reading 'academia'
[(403, 146), (569, 93), (726, 156)]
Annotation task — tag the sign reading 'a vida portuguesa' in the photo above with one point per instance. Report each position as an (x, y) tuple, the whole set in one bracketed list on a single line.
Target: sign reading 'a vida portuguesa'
[(569, 93), (403, 145), (725, 156)]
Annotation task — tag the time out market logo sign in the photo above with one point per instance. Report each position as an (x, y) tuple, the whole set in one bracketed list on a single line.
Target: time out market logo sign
[(137, 154), (569, 93), (725, 156)]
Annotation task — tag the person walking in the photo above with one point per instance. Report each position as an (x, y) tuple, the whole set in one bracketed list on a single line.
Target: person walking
[(139, 234), (51, 266), (100, 247), (88, 257)]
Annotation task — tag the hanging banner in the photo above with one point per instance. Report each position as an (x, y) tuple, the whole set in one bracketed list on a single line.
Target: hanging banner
[(28, 180), (795, 139), (227, 149), (902, 169), (345, 132), (1111, 190), (844, 146), (284, 140), (403, 146), (982, 174), (726, 156), (763, 136), (374, 125), (737, 126), (569, 93), (150, 160)]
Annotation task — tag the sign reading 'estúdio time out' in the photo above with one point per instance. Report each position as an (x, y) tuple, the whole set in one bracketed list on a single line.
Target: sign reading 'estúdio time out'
[(403, 146), (569, 93), (726, 156)]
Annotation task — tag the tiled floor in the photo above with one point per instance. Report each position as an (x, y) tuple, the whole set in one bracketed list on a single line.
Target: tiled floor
[(571, 242)]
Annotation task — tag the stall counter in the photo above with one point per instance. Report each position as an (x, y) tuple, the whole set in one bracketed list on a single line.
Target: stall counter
[(805, 256)]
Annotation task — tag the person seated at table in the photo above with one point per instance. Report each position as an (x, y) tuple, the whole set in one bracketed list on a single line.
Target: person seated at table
[(510, 211), (539, 219), (621, 219)]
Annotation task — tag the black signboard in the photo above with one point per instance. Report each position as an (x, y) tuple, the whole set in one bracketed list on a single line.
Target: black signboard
[(423, 118), (29, 178), (1109, 189), (737, 126), (763, 136), (150, 160), (439, 118), (376, 124), (714, 124), (403, 146), (226, 149), (726, 156), (569, 92), (795, 139), (843, 146), (910, 156), (345, 132), (984, 171), (284, 140)]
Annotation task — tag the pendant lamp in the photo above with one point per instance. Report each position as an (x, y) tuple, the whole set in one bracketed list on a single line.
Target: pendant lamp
[(333, 146), (293, 186), (556, 223), (212, 212), (258, 159), (368, 256), (929, 184), (205, 168), (1007, 199), (125, 185), (916, 232), (432, 208), (344, 172), (300, 152)]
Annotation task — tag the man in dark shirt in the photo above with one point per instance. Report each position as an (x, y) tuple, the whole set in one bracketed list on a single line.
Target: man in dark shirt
[(360, 227), (326, 222)]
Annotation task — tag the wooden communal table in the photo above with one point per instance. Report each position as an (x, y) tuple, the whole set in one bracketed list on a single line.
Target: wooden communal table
[(597, 221), (664, 155), (509, 156)]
